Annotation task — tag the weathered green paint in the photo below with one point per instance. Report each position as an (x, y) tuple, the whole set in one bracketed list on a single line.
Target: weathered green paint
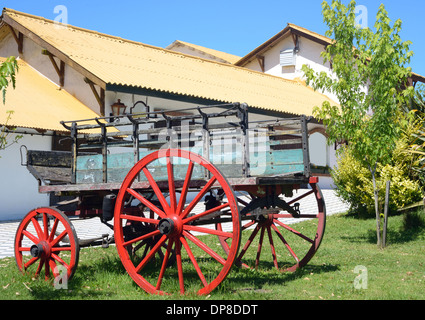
[(227, 159)]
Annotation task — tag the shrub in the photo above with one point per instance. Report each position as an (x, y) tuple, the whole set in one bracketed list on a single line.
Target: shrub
[(354, 183)]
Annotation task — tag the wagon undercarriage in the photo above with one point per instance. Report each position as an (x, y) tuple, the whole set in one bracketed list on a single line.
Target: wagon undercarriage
[(187, 202)]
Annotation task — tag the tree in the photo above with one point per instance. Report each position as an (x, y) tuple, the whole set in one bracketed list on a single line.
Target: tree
[(8, 70), (369, 78)]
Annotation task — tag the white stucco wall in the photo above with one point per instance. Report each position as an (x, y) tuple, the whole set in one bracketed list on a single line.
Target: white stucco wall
[(18, 188), (309, 53)]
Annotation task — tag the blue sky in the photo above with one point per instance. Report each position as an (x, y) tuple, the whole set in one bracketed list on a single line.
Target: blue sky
[(235, 26)]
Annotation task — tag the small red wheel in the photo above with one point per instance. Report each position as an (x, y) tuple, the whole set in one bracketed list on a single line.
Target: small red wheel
[(291, 248), (46, 239), (176, 231)]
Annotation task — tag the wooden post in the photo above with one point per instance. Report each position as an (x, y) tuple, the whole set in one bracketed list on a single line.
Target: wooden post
[(387, 200), (74, 149)]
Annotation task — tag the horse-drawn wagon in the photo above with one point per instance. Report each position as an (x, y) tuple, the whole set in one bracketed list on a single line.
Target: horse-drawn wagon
[(188, 191)]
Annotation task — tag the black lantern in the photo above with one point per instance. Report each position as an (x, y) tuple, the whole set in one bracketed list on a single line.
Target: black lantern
[(118, 109)]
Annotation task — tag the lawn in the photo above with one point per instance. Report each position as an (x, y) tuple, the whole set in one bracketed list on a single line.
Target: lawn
[(348, 266)]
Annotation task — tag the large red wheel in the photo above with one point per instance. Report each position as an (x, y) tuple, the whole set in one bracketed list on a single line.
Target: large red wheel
[(46, 239), (176, 232), (290, 248)]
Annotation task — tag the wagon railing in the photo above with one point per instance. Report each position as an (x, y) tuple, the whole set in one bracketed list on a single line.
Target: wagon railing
[(226, 136)]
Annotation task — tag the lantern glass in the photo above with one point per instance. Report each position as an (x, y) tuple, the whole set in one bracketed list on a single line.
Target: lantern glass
[(118, 108)]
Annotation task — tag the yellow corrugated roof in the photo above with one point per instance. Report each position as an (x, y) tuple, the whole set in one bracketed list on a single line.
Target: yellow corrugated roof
[(40, 104), (226, 57), (116, 61)]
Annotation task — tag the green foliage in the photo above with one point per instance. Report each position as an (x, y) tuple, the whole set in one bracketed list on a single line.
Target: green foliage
[(415, 147), (354, 185), (8, 71), (362, 59), (369, 78)]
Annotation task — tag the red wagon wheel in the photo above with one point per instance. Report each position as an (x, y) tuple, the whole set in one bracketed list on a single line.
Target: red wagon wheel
[(290, 248), (177, 231), (46, 239)]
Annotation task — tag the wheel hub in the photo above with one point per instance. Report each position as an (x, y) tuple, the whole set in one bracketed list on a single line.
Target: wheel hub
[(40, 249), (36, 250), (166, 226)]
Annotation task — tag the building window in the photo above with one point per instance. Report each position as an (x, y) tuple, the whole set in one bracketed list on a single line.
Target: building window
[(287, 58)]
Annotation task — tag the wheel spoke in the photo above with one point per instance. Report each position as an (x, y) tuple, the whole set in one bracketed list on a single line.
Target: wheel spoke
[(205, 213), (248, 225), (37, 228), (31, 262), (60, 260), (58, 249), (151, 253), (185, 188), (260, 245), (294, 231), (146, 202), (204, 247), (143, 237), (40, 266), (285, 243), (179, 266), (164, 264), (198, 197), (53, 267), (248, 243), (171, 185), (53, 231), (272, 247), (46, 226), (192, 258), (140, 219), (58, 238), (47, 269), (156, 189), (30, 236), (209, 231)]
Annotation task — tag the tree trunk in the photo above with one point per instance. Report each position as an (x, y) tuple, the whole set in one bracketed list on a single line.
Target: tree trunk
[(387, 203), (378, 217)]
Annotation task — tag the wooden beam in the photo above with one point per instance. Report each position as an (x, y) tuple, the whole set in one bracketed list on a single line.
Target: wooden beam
[(260, 60), (100, 97), (294, 39), (55, 51), (60, 70), (18, 38)]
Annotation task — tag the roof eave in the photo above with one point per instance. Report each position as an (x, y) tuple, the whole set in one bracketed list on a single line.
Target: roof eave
[(51, 48), (290, 28)]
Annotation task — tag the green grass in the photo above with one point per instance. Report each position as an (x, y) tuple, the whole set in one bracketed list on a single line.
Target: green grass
[(396, 272)]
